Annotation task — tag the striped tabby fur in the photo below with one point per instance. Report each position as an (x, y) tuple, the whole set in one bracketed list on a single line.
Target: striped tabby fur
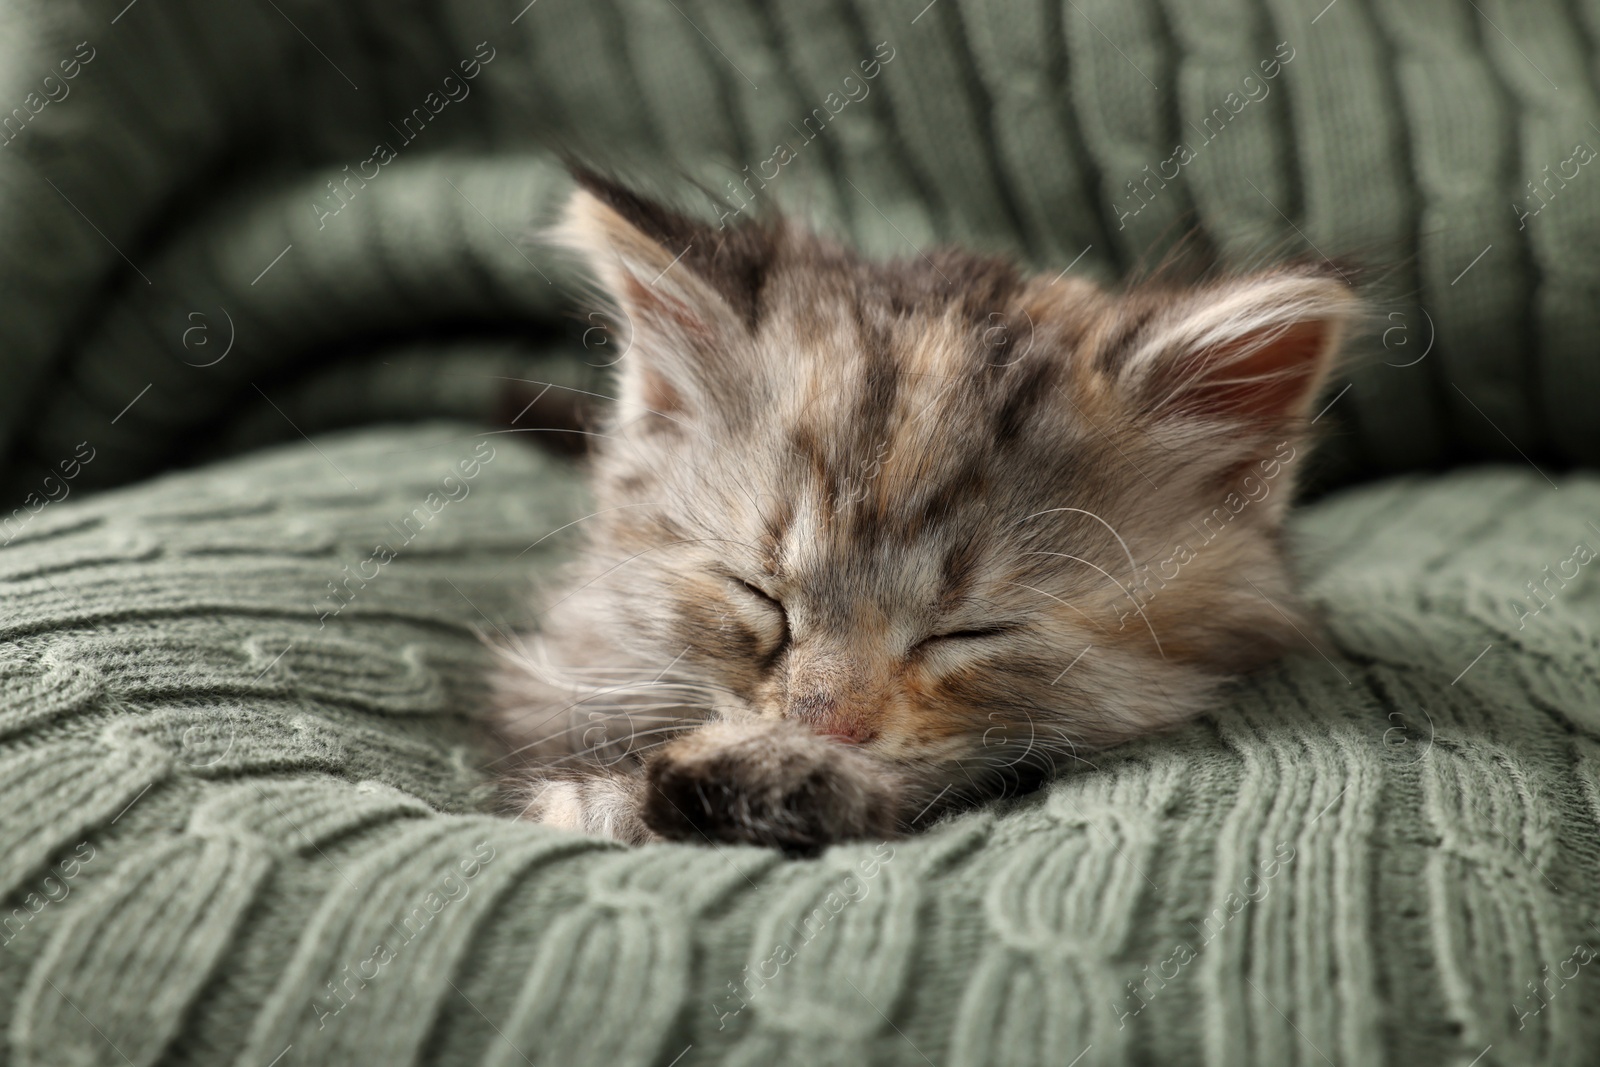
[(876, 539)]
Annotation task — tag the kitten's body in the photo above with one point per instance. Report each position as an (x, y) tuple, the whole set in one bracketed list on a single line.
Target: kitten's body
[(875, 539)]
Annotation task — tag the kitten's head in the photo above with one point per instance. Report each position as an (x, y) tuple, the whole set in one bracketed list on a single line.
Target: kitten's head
[(934, 508)]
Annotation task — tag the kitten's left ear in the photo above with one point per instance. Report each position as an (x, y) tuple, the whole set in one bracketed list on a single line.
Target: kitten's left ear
[(1251, 351), (688, 292)]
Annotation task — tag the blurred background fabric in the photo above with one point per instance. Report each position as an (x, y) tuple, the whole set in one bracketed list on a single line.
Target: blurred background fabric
[(316, 184), (270, 283)]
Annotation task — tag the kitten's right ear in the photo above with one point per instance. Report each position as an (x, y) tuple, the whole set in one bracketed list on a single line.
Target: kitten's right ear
[(1247, 352), (688, 294)]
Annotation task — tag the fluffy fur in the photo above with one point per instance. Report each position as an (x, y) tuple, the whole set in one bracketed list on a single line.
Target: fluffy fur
[(876, 539)]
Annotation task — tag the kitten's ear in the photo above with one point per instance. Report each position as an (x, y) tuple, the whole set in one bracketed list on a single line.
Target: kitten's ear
[(1253, 351), (687, 292)]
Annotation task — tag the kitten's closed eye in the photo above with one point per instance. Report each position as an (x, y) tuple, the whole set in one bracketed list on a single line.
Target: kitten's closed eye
[(761, 594), (976, 633), (767, 612)]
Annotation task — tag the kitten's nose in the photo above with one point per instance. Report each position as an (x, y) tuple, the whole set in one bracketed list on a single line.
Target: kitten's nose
[(853, 732), (824, 715)]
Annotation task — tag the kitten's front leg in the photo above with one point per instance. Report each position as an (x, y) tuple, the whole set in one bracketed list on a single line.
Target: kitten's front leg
[(768, 783), (603, 802)]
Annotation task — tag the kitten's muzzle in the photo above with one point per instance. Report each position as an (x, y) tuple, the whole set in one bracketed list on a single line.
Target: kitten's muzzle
[(829, 718)]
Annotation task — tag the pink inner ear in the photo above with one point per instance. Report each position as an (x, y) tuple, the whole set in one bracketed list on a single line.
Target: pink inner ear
[(1271, 381), (663, 309), (660, 318), (658, 394), (671, 321)]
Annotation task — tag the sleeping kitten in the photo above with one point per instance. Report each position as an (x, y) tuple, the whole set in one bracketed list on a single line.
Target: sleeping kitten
[(873, 540)]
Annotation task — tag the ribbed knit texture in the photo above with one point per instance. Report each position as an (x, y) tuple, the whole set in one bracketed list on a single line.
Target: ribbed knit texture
[(144, 213), (228, 830), (243, 824)]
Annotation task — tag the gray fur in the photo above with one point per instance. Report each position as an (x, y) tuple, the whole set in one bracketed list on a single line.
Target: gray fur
[(874, 536)]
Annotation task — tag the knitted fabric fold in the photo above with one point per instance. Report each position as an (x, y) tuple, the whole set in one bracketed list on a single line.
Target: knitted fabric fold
[(222, 206), (244, 817)]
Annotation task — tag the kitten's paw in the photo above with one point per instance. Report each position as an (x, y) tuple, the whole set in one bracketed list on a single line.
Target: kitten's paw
[(601, 805), (771, 784)]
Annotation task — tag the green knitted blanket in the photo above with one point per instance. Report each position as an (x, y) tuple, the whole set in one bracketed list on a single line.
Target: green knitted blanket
[(237, 827), (315, 189), (245, 822)]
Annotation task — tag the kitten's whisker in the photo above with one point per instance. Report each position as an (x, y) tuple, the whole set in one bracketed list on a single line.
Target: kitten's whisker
[(644, 552), (586, 727), (574, 522), (556, 761), (1133, 568), (579, 702), (678, 722), (628, 753), (689, 713), (533, 658), (544, 429), (1137, 606), (1063, 603), (550, 385), (643, 685), (1044, 753), (1060, 732), (536, 661), (695, 702), (624, 709), (668, 685)]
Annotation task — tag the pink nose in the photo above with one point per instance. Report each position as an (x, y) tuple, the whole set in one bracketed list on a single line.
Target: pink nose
[(851, 732), (824, 715)]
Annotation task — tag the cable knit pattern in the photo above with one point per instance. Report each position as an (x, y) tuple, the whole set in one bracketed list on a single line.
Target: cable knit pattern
[(245, 808), (168, 208), (236, 826)]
